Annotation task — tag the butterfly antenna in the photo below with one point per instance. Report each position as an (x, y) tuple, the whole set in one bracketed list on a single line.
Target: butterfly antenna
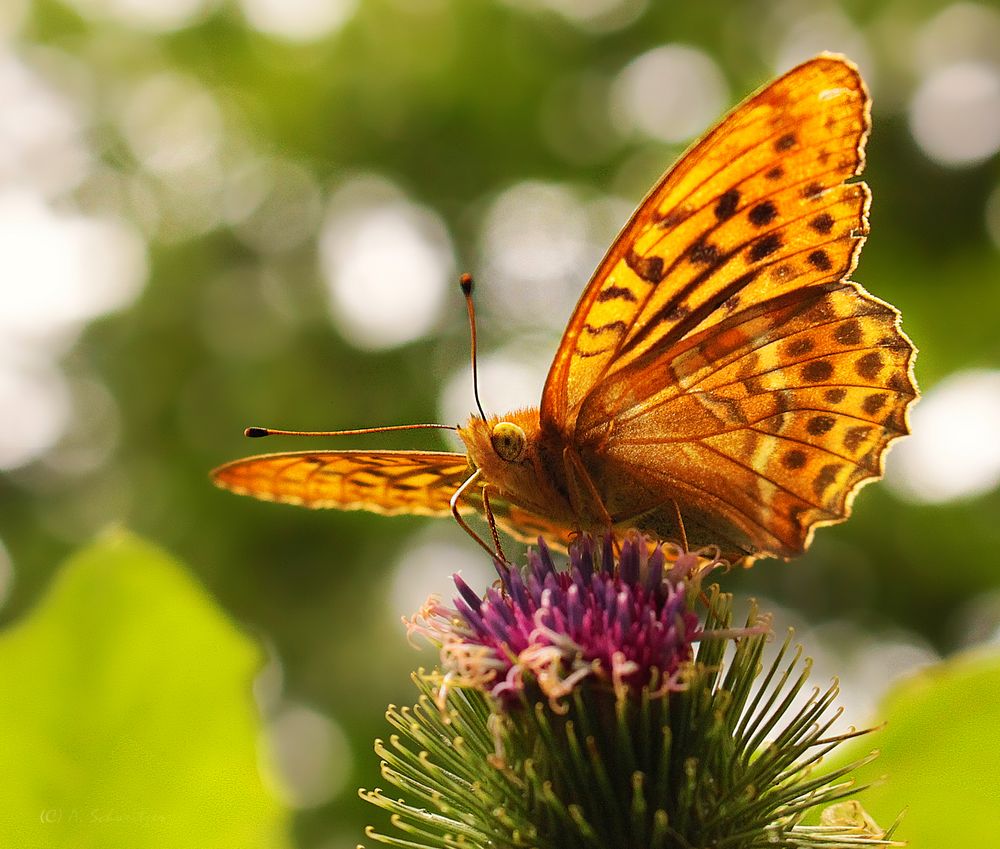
[(257, 432), (465, 281)]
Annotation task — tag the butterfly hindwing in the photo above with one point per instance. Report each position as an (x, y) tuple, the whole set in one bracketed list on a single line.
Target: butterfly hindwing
[(781, 412)]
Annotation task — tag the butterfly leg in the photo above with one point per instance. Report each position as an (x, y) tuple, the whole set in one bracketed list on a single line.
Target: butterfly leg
[(680, 525), (455, 498), (577, 471), (493, 523)]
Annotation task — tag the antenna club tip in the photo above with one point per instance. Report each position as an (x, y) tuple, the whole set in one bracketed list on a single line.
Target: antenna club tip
[(465, 281), (254, 432)]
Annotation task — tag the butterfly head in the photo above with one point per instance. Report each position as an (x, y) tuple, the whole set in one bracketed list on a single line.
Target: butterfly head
[(508, 450), (501, 441), (508, 441)]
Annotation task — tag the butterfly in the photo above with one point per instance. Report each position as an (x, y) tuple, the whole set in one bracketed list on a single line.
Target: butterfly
[(720, 381)]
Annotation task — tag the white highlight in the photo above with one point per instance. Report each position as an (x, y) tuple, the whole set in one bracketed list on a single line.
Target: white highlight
[(955, 113), (60, 270), (866, 665), (387, 263), (811, 29), (427, 568), (536, 254), (312, 754), (151, 15), (959, 32), (670, 93), (509, 379), (298, 20), (172, 123), (36, 404), (953, 451), (591, 15), (41, 133)]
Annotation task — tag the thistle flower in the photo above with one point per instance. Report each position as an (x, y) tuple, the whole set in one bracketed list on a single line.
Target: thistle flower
[(572, 710), (626, 622)]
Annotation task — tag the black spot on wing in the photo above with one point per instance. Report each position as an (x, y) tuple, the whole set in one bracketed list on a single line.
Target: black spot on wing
[(855, 436), (820, 260), (817, 371), (594, 353), (849, 333), (785, 142), (794, 459), (728, 202), (704, 253), (900, 383), (764, 247), (610, 327), (613, 293), (873, 403), (813, 191), (672, 217), (798, 347), (869, 365), (649, 268), (763, 213), (818, 425), (822, 223), (827, 476)]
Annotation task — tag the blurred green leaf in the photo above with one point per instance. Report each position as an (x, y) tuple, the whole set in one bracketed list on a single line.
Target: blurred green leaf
[(939, 755), (127, 713)]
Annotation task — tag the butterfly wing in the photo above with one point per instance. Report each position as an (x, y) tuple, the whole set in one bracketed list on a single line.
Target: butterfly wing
[(388, 482), (718, 330), (520, 523), (771, 422)]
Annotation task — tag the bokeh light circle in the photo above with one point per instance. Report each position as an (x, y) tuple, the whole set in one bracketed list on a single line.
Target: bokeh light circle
[(953, 451), (386, 262), (955, 113), (671, 93)]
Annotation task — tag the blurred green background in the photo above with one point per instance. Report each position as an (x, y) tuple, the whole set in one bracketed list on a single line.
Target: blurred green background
[(216, 213)]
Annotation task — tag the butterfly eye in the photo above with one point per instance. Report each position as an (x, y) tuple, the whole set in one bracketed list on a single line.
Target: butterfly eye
[(508, 441)]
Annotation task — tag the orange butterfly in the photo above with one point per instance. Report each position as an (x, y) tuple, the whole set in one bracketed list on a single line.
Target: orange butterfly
[(719, 376)]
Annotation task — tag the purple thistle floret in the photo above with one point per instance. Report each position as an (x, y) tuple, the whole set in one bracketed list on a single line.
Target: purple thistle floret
[(623, 621)]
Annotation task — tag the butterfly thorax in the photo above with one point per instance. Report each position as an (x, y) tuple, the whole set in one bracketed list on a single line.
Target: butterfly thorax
[(520, 464)]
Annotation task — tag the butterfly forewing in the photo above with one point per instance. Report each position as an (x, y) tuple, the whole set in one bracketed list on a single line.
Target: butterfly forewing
[(756, 208), (389, 482)]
